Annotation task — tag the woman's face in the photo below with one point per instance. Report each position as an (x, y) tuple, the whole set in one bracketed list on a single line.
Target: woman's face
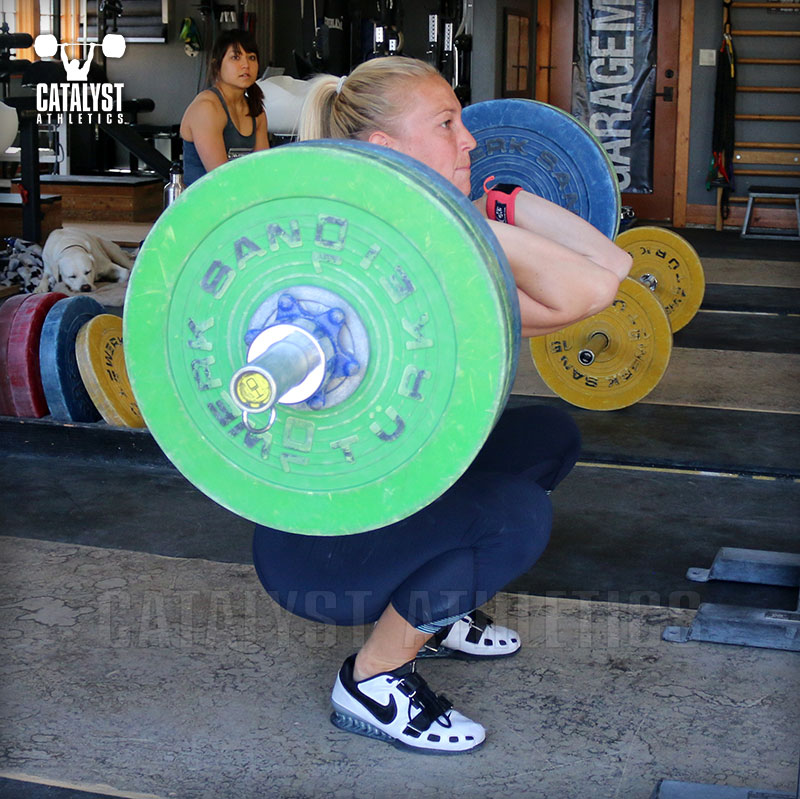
[(238, 68), (431, 131)]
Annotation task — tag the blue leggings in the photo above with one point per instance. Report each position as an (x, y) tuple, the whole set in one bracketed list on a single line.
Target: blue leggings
[(448, 558)]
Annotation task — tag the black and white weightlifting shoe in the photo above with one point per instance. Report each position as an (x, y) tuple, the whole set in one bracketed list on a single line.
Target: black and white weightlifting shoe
[(474, 636), (399, 707)]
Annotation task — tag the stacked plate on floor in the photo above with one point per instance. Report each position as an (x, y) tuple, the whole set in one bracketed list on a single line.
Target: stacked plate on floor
[(62, 357)]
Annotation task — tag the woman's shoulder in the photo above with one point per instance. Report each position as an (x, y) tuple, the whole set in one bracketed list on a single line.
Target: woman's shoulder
[(208, 99), (204, 113), (205, 107)]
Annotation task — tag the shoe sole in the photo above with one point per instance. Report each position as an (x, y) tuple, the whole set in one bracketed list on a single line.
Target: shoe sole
[(348, 723), (455, 654)]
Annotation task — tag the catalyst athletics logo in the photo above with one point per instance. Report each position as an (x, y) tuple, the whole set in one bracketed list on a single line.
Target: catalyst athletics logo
[(78, 100)]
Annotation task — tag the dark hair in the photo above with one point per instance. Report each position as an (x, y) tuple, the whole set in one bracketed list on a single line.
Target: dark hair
[(240, 41)]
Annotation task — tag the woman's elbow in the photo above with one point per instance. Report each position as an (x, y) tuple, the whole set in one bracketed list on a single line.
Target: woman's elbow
[(605, 288), (620, 263)]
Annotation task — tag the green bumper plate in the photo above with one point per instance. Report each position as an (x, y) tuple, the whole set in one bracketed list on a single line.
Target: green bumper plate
[(399, 255), (476, 226)]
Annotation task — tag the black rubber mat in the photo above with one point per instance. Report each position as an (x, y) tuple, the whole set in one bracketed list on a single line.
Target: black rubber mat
[(745, 332), (18, 789), (94, 442), (683, 437), (672, 436), (619, 535), (629, 536), (124, 506), (728, 244), (752, 299)]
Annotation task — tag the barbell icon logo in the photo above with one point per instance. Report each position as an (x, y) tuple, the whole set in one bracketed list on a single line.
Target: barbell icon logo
[(46, 46)]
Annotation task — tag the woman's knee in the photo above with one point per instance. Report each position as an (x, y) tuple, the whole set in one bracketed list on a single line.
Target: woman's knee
[(441, 588), (526, 523), (561, 434), (538, 441)]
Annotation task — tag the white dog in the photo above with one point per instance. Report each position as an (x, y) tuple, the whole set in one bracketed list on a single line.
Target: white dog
[(77, 259)]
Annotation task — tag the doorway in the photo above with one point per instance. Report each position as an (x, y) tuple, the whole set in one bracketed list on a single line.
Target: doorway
[(658, 205)]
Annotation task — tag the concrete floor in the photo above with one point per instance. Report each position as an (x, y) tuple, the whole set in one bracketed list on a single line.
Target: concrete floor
[(141, 657), (139, 675)]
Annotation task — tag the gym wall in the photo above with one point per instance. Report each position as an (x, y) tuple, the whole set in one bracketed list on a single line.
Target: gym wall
[(708, 35), (166, 74), (162, 72)]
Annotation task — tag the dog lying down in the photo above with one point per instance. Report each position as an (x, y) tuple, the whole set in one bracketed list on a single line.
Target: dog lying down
[(76, 260)]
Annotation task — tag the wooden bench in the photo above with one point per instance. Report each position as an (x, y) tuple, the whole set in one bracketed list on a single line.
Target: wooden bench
[(11, 214), (773, 160), (107, 198)]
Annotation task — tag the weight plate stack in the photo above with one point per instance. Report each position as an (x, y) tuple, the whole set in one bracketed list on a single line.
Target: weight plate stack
[(64, 391), (8, 310), (101, 362), (24, 371), (667, 262)]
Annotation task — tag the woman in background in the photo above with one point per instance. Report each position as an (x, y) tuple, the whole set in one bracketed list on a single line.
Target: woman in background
[(228, 119)]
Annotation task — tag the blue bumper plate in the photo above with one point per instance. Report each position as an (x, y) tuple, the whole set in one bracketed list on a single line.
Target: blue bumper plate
[(547, 152)]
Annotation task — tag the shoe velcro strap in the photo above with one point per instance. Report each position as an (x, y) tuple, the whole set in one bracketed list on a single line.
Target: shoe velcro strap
[(423, 720), (434, 643), (431, 706), (478, 622)]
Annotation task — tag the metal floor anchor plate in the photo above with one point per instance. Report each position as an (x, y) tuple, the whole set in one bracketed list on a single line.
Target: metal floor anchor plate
[(669, 789), (745, 626)]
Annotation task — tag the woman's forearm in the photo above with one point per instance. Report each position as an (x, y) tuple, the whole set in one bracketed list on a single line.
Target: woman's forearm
[(557, 285), (561, 226)]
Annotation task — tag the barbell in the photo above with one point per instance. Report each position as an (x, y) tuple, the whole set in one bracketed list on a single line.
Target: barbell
[(327, 350)]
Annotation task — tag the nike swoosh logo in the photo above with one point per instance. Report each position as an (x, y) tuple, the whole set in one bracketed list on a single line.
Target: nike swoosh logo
[(385, 714)]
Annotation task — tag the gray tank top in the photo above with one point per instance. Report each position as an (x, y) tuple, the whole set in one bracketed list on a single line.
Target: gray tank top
[(235, 143)]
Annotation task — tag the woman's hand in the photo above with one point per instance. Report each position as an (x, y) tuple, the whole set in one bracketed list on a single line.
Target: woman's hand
[(564, 268), (541, 216), (557, 286)]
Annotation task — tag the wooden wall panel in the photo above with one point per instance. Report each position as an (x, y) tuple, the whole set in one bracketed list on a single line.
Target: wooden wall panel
[(683, 128)]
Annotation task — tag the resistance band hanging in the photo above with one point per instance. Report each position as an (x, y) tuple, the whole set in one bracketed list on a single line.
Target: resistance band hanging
[(720, 171)]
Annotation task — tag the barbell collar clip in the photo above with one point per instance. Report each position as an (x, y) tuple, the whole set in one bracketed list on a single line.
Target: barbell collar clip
[(259, 430), (648, 280), (285, 364), (598, 341)]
